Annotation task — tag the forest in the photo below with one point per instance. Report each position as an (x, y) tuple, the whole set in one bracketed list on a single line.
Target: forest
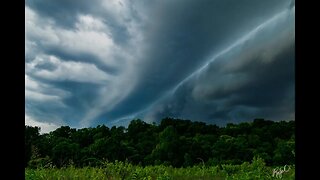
[(173, 142)]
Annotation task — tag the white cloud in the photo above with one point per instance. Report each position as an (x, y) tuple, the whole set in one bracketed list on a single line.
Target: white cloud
[(31, 84), (90, 36), (36, 96), (118, 9), (36, 30), (67, 70), (45, 127), (90, 23), (41, 92)]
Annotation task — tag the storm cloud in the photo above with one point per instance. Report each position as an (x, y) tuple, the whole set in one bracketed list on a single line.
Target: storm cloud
[(107, 62)]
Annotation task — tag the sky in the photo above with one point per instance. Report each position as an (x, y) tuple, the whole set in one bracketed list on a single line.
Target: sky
[(97, 62)]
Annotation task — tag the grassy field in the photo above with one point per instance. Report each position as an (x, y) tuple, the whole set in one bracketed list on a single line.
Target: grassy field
[(120, 170)]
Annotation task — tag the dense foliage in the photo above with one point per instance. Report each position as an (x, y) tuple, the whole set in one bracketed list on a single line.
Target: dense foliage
[(173, 142)]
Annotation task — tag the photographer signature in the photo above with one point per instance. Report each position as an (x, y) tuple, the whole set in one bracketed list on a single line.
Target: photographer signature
[(277, 172)]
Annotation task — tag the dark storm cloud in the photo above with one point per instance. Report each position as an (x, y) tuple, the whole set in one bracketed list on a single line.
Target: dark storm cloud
[(180, 37), (111, 61), (253, 79)]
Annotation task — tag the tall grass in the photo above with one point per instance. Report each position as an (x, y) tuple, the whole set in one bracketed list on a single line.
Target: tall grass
[(123, 170)]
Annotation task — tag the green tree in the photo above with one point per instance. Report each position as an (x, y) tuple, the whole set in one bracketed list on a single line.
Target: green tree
[(283, 154), (167, 150), (31, 134), (65, 152)]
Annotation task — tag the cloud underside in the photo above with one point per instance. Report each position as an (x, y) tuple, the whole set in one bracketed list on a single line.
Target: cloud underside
[(111, 61), (252, 78)]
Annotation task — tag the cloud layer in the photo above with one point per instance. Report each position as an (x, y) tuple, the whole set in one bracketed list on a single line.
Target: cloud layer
[(111, 61)]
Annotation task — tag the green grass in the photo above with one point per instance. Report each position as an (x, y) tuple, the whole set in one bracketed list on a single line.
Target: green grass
[(121, 170)]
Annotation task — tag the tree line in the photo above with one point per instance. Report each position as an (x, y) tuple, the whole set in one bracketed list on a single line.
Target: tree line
[(175, 142)]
